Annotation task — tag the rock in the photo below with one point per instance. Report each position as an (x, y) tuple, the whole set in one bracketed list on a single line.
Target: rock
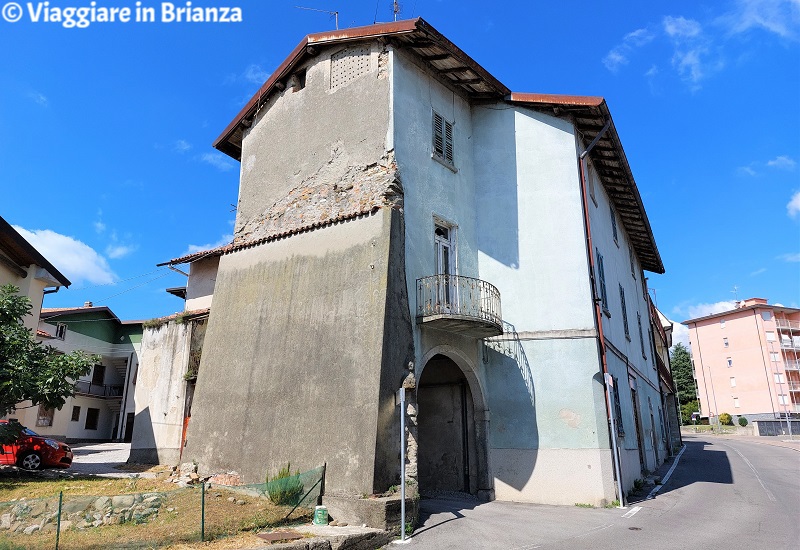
[(123, 501), (48, 528), (188, 467), (38, 508), (30, 529), (97, 523), (75, 506), (193, 476), (151, 502), (6, 520), (241, 502), (182, 484), (66, 525), (170, 509), (102, 503), (231, 499)]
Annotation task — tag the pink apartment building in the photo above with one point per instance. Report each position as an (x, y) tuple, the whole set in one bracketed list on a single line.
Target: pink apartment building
[(747, 361)]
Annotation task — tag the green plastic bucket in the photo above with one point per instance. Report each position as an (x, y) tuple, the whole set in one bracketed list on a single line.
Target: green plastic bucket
[(320, 515)]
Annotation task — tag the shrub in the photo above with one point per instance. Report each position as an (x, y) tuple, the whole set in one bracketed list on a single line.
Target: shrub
[(725, 419), (742, 421), (285, 489)]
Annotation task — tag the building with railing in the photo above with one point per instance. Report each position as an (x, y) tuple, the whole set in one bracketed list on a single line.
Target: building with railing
[(102, 406), (417, 224), (747, 360)]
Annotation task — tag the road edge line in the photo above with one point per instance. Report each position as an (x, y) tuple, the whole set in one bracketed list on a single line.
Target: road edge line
[(657, 488)]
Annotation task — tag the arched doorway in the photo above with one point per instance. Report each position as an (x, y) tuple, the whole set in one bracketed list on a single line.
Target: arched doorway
[(447, 459)]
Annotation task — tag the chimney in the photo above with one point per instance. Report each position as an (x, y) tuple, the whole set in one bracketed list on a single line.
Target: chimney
[(88, 304)]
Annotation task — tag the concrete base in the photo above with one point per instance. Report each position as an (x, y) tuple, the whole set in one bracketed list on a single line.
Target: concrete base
[(154, 456), (379, 513), (336, 538)]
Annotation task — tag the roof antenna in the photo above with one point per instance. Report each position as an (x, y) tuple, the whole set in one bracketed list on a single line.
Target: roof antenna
[(395, 8), (333, 13), (735, 292)]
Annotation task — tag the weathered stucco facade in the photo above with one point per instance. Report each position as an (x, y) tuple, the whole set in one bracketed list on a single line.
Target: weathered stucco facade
[(379, 160)]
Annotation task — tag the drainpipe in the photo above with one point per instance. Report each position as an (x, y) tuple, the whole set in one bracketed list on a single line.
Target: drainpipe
[(51, 290), (598, 319)]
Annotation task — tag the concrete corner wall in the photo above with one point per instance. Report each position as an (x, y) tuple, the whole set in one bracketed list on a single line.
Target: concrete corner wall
[(160, 394), (294, 367)]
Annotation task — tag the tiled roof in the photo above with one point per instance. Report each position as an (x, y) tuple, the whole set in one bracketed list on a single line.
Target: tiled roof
[(233, 247)]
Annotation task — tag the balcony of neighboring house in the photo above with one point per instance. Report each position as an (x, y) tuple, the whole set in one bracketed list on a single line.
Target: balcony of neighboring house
[(788, 324), (105, 383), (85, 387), (462, 305)]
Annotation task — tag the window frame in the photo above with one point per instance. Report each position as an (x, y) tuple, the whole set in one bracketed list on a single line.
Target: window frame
[(76, 414), (601, 279), (92, 416), (624, 313), (444, 130), (614, 229)]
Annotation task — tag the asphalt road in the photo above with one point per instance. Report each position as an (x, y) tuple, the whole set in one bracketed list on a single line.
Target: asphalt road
[(725, 493)]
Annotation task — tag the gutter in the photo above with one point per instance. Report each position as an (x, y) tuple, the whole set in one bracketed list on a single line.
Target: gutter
[(598, 319)]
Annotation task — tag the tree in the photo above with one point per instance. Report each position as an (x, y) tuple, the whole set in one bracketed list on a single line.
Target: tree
[(681, 361), (30, 371)]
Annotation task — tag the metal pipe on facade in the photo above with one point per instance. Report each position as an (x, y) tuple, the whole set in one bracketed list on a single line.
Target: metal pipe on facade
[(598, 319)]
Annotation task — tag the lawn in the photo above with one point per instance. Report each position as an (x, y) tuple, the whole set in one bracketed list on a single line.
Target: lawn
[(156, 514)]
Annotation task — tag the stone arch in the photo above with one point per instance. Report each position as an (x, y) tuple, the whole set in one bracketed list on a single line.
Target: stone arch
[(476, 417)]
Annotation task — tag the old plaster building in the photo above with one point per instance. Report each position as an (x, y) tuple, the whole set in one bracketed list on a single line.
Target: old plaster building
[(402, 212)]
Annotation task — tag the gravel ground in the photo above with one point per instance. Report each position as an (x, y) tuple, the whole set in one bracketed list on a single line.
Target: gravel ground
[(101, 459)]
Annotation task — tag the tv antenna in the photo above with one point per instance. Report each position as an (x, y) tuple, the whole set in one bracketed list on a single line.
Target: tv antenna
[(395, 8), (335, 14), (735, 292)]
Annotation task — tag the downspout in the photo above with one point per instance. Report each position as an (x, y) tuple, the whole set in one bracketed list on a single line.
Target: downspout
[(598, 319), (51, 291)]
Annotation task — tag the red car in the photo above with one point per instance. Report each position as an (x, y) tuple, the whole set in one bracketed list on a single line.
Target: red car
[(31, 451)]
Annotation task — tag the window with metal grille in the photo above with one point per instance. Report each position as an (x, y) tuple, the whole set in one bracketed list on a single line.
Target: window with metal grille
[(624, 312), (45, 416), (349, 64), (442, 139), (601, 282)]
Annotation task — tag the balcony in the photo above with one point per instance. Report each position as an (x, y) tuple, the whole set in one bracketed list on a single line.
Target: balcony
[(792, 365), (462, 305), (789, 344), (84, 387), (787, 323)]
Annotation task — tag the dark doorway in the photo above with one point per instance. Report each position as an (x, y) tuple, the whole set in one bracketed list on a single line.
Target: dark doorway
[(129, 427), (638, 424), (446, 457)]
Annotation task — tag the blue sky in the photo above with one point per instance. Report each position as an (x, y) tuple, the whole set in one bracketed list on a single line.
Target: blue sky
[(106, 131)]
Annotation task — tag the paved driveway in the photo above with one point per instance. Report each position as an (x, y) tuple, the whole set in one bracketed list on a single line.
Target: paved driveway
[(101, 459)]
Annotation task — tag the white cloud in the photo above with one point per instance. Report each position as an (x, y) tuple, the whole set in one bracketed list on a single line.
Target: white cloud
[(758, 272), (225, 239), (680, 27), (182, 146), (680, 334), (793, 207), (39, 98), (701, 310), (783, 162), (117, 251), (217, 160), (99, 226), (255, 74), (790, 257), (781, 17), (746, 171), (618, 55), (75, 259)]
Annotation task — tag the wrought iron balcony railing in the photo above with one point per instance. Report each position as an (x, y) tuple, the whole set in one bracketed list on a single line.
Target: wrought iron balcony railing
[(100, 390), (459, 304)]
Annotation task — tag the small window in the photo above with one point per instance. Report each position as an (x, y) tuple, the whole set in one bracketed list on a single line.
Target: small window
[(590, 176), (76, 413), (614, 224), (736, 402), (641, 338), (724, 342), (442, 140), (624, 312), (773, 356), (779, 379), (92, 417), (633, 267), (766, 315), (61, 331), (733, 381), (45, 416), (601, 280), (722, 323), (644, 286), (783, 399), (770, 336), (730, 361)]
